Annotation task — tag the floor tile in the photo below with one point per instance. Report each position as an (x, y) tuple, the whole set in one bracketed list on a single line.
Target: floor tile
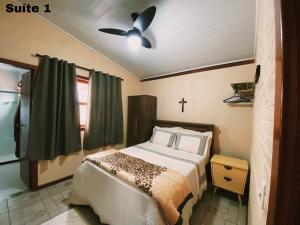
[(59, 200), (217, 207), (223, 209), (198, 213), (22, 197), (11, 182), (242, 221), (15, 216), (3, 207), (65, 193), (224, 202), (43, 194), (226, 217), (33, 208), (36, 210), (21, 203), (56, 212), (229, 223), (49, 204), (4, 219), (3, 204), (39, 220), (242, 211), (213, 219), (233, 211)]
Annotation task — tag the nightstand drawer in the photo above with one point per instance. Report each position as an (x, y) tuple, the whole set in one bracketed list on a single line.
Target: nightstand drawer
[(229, 171), (231, 183), (229, 178)]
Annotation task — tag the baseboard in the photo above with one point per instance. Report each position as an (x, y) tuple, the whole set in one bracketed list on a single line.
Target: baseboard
[(10, 161), (38, 187)]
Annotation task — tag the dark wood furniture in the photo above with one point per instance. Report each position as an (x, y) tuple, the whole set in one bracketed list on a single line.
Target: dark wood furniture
[(284, 199), (141, 117)]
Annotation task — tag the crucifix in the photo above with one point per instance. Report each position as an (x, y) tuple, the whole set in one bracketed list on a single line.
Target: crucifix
[(182, 102)]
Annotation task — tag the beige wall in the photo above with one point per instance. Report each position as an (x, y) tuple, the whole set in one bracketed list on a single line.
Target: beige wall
[(24, 34), (205, 92), (263, 116)]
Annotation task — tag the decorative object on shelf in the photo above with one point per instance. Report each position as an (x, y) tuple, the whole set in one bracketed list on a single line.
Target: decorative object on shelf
[(244, 92), (182, 102)]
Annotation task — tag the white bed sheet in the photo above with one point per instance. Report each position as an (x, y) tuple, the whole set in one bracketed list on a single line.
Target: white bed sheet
[(119, 203)]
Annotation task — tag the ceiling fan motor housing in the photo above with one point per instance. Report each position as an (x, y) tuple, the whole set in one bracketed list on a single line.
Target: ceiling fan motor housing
[(134, 32)]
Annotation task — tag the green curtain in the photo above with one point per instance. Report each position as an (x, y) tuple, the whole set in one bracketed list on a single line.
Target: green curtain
[(54, 123), (105, 120)]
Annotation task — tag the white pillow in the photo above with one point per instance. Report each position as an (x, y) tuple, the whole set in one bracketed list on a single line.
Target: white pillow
[(171, 129), (208, 141), (191, 143), (186, 131), (163, 137)]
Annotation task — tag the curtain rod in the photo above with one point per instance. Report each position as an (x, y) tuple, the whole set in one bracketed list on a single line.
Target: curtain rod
[(79, 67)]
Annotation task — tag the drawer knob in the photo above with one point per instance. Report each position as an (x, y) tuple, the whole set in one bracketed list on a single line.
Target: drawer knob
[(228, 167), (227, 179)]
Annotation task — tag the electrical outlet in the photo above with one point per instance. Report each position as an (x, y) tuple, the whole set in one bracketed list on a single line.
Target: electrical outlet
[(262, 194)]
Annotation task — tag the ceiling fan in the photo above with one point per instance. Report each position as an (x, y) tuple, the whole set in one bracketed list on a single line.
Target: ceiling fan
[(134, 36)]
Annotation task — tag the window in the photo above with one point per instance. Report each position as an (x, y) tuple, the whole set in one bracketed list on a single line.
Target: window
[(83, 92)]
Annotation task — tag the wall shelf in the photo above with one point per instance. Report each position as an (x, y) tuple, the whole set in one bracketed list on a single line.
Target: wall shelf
[(244, 92)]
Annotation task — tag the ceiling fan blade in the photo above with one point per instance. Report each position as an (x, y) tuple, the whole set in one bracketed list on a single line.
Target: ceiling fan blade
[(134, 16), (146, 43), (145, 18), (113, 31)]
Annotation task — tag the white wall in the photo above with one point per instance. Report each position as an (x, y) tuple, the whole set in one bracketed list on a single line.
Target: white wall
[(263, 116)]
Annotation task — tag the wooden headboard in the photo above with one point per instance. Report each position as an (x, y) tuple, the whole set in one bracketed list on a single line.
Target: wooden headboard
[(191, 126)]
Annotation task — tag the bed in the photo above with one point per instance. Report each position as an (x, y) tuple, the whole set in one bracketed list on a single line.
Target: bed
[(119, 203)]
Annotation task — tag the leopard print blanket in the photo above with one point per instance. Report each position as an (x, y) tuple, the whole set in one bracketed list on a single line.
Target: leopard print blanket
[(168, 188)]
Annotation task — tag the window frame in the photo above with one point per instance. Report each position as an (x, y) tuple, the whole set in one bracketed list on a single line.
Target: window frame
[(82, 79)]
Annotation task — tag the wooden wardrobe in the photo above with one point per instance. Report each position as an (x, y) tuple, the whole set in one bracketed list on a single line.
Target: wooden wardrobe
[(141, 117)]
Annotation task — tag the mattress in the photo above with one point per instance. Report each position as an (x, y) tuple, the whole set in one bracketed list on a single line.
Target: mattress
[(119, 203)]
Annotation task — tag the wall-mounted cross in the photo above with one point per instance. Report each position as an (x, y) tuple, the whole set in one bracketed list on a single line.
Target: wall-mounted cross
[(182, 102)]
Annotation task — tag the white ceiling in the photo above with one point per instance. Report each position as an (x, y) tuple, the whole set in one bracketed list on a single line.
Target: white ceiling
[(185, 34)]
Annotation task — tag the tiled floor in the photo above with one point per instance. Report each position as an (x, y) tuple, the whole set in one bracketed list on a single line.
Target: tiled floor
[(221, 209), (11, 181), (37, 207), (7, 157)]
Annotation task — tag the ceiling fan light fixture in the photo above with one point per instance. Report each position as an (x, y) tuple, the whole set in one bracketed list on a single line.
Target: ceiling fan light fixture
[(134, 41), (134, 36)]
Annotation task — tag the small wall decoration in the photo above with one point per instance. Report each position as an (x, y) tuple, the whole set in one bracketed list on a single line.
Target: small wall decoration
[(182, 102)]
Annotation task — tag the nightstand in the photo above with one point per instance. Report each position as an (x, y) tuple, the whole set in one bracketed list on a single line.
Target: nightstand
[(229, 173)]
